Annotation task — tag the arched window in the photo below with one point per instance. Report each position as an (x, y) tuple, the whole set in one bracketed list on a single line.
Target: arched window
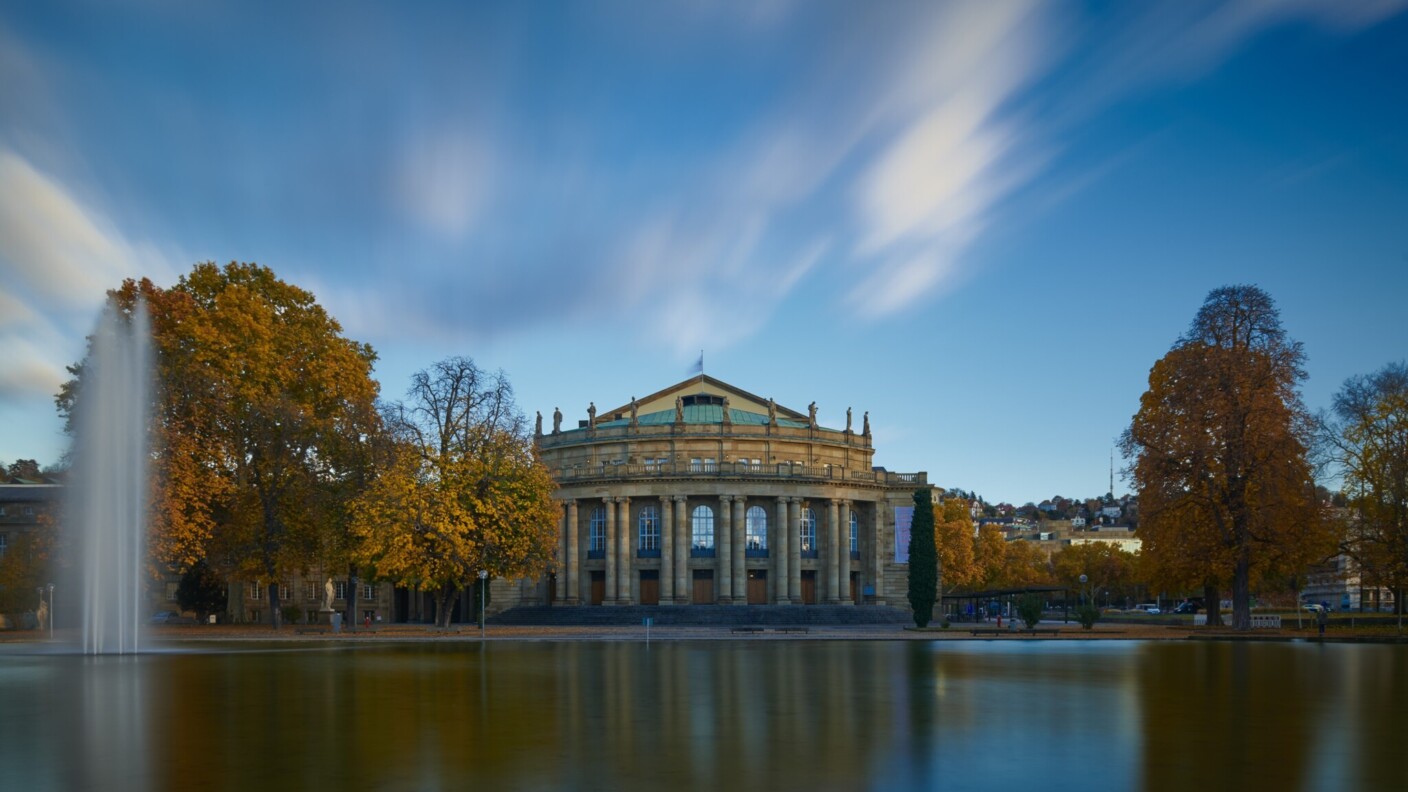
[(808, 533), (757, 529), (855, 533), (649, 528), (596, 534), (703, 519)]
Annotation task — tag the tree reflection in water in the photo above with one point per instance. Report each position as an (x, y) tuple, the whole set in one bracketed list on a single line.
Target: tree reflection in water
[(710, 715)]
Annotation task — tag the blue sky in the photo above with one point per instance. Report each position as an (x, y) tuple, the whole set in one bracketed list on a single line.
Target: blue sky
[(980, 222)]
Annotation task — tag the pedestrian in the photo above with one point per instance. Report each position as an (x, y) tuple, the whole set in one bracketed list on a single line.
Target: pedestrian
[(1321, 617), (367, 621)]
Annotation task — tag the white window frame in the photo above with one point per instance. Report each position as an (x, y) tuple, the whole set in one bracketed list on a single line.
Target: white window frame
[(649, 533), (596, 531), (755, 521), (806, 534), (701, 528)]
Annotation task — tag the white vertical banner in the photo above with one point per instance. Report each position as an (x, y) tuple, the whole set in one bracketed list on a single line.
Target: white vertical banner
[(904, 517)]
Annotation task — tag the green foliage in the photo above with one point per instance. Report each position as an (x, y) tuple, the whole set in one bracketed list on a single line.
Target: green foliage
[(292, 613), (923, 559), (1029, 607), (1087, 614), (201, 590)]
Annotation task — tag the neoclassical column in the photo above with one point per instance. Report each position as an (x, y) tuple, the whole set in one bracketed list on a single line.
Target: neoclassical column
[(723, 550), (844, 515), (794, 552), (683, 590), (833, 553), (573, 594), (740, 543), (626, 533), (610, 506), (883, 548), (667, 550), (779, 554)]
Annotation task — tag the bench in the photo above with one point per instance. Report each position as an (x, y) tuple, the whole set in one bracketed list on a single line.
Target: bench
[(1041, 631), (992, 632), (790, 629), (747, 629), (310, 630)]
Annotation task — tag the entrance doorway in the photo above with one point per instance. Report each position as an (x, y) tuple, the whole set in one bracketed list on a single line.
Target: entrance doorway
[(808, 586), (649, 587), (703, 587), (855, 587), (552, 589), (757, 587), (598, 587)]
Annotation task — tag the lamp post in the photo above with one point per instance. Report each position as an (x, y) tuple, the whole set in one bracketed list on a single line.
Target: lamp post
[(483, 581), (51, 611), (40, 591)]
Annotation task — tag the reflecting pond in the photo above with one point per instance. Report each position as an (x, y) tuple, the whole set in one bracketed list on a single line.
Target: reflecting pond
[(710, 714)]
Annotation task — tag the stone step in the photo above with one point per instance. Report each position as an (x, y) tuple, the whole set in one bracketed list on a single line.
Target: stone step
[(700, 615)]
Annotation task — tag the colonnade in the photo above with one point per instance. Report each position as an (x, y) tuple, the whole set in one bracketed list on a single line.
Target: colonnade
[(730, 563)]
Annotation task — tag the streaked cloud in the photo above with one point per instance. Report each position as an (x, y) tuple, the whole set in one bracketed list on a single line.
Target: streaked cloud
[(58, 256)]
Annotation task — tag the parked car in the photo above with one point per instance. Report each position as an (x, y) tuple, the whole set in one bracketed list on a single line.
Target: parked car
[(1149, 608), (1187, 607), (165, 617), (1314, 607)]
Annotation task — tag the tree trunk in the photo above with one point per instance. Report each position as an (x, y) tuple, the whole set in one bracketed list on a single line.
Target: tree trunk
[(1242, 591), (276, 614), (351, 597), (1212, 604), (443, 608)]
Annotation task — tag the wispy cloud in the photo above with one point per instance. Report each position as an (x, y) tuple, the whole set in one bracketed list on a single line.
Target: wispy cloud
[(58, 257)]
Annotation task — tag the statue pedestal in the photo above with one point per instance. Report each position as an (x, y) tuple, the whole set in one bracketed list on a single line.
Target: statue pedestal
[(335, 619)]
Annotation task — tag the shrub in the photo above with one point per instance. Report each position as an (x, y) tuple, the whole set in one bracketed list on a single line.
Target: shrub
[(1029, 607), (292, 614), (1087, 614)]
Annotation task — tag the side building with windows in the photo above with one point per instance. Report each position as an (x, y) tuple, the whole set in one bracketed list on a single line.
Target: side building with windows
[(703, 493)]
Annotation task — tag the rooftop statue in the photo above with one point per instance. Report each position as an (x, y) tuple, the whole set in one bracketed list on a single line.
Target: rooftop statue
[(556, 420)]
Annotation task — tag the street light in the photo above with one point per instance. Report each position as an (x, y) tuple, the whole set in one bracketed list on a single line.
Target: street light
[(51, 611), (483, 577)]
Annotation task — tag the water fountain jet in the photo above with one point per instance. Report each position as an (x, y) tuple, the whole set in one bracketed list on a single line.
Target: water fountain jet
[(108, 502)]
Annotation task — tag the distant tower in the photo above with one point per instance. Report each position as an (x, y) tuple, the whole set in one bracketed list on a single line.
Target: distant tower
[(1112, 474)]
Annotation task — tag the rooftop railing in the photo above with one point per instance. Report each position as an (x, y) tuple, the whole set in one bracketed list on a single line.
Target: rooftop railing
[(778, 470)]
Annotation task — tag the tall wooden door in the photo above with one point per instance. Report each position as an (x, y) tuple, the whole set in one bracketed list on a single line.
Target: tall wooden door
[(649, 587), (598, 587), (703, 587), (855, 587), (757, 587), (809, 587)]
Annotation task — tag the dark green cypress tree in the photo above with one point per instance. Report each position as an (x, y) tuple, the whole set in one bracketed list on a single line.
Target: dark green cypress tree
[(923, 559)]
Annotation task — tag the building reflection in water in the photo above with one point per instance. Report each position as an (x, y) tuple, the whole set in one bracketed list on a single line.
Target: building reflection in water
[(710, 715)]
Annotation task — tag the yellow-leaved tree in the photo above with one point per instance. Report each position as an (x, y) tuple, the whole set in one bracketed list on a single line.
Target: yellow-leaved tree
[(462, 490), (261, 424), (954, 537)]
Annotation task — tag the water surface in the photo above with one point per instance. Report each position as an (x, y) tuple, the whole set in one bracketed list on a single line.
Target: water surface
[(710, 715)]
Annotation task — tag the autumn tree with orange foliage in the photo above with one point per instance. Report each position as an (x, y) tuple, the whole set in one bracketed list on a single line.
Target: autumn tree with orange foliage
[(1106, 567), (1219, 452), (954, 539), (463, 489), (262, 419)]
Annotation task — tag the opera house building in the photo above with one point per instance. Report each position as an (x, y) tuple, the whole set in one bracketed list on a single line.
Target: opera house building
[(703, 493)]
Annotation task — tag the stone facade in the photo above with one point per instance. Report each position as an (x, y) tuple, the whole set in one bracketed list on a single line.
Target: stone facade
[(703, 493)]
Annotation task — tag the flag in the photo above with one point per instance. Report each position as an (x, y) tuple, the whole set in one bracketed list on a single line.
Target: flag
[(698, 367)]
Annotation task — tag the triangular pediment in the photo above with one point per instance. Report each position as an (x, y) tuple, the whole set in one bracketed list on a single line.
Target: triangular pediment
[(662, 400)]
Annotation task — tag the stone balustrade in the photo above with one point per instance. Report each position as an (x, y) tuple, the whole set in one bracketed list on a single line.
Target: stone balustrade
[(779, 470)]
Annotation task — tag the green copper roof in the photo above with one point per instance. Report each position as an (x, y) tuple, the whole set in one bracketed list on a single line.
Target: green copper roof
[(701, 414)]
